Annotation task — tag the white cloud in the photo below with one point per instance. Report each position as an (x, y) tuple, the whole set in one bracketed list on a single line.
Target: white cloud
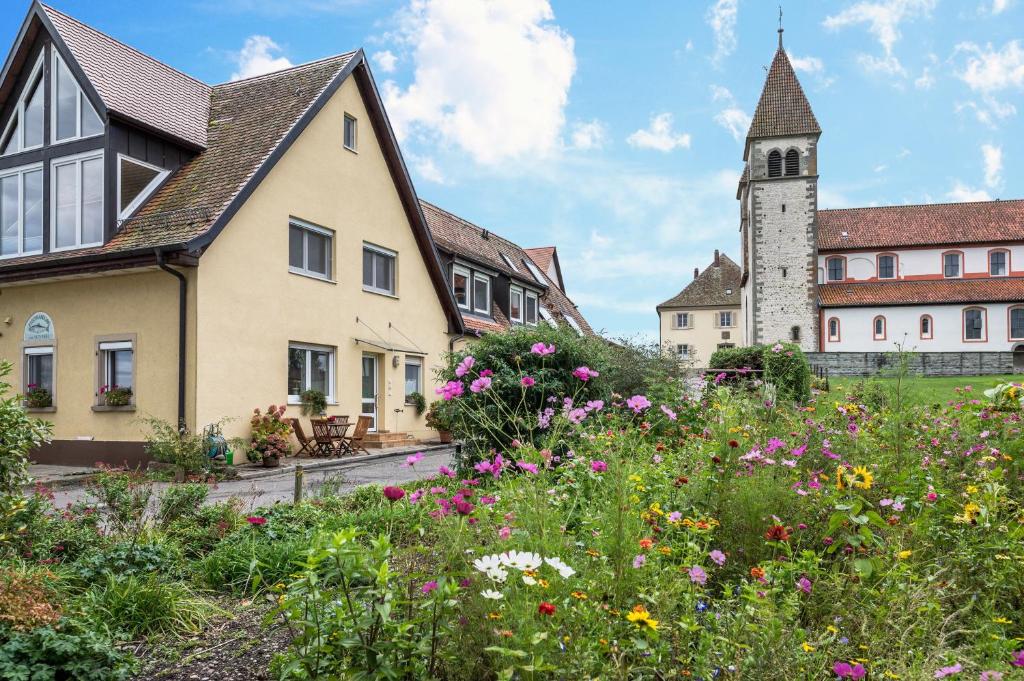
[(491, 78), (385, 60), (997, 6), (721, 17), (881, 167), (588, 135), (689, 46), (989, 112), (257, 57), (926, 79), (735, 120), (807, 64), (659, 135), (990, 70), (427, 169), (961, 192), (993, 157), (883, 19)]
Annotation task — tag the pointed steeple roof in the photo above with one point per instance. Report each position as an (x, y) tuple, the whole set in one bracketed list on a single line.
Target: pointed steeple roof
[(783, 108)]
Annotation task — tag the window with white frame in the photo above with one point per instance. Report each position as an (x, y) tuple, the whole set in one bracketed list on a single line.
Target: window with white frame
[(997, 263), (530, 308), (24, 129), (136, 180), (725, 319), (413, 377), (310, 249), (534, 271), (460, 286), (117, 366), (878, 328), (350, 132), (21, 211), (76, 201), (681, 320), (508, 261), (836, 268), (310, 367), (1017, 323), (974, 324), (952, 265), (546, 315), (833, 329), (39, 368), (379, 269), (683, 351), (515, 304), (481, 293), (927, 327), (72, 115)]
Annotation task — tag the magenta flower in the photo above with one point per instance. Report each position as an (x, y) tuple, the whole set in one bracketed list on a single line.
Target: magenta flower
[(844, 671), (444, 470), (481, 384), (486, 372), (542, 349), (948, 671), (584, 373), (464, 507), (1018, 659), (505, 532), (428, 587), (667, 411), (450, 390), (598, 466), (804, 584), (697, 575), (256, 520), (717, 556), (393, 493), (464, 366), (528, 467), (415, 496), (639, 560), (413, 459), (528, 381), (638, 403)]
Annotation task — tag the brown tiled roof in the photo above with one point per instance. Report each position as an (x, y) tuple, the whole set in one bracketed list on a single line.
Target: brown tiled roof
[(461, 237), (542, 256), (135, 85), (709, 288), (940, 223), (783, 108), (920, 292)]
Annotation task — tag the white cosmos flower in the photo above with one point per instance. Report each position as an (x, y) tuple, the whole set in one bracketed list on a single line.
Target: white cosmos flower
[(521, 560), (528, 580), (488, 563), (564, 570), (491, 594), (498, 575)]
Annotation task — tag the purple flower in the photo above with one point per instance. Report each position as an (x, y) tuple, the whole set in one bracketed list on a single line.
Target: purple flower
[(948, 671), (542, 349), (675, 517), (481, 384), (413, 460), (638, 403), (527, 466), (804, 584), (577, 415), (1018, 659), (697, 575), (528, 381), (464, 366), (595, 405), (428, 587), (844, 671), (415, 496), (444, 470), (668, 412), (717, 556), (598, 466), (450, 390), (584, 373), (639, 560)]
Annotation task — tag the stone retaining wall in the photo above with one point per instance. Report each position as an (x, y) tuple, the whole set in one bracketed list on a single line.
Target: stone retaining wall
[(922, 363)]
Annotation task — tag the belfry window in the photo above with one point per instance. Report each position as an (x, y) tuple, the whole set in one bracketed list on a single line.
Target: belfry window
[(775, 164), (792, 162)]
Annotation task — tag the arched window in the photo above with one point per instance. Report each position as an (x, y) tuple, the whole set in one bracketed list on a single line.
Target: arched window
[(835, 268), (792, 162), (774, 163), (1016, 322), (833, 329), (927, 327), (975, 326), (878, 328), (794, 334)]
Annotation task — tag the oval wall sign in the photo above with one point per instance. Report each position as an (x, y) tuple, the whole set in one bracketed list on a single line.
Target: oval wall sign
[(39, 327)]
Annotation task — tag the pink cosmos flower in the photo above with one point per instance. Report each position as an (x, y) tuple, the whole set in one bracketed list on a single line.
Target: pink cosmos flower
[(595, 405), (464, 507), (598, 466), (1018, 659), (413, 459), (444, 470), (584, 373), (717, 556), (668, 412), (697, 575), (481, 384), (428, 587), (528, 467), (450, 390), (948, 671), (844, 671), (486, 372), (638, 403), (639, 560), (805, 585), (528, 381), (991, 675), (505, 532), (542, 349), (464, 366), (577, 415)]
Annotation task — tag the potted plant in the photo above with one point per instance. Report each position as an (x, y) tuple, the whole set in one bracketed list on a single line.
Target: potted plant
[(417, 401), (441, 419), (38, 397), (314, 402), (116, 396), (269, 439)]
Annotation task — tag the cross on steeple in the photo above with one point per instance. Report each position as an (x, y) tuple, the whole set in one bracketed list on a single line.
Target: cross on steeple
[(780, 27)]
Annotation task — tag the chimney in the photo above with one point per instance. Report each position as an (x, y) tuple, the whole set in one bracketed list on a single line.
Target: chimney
[(696, 272), (717, 259)]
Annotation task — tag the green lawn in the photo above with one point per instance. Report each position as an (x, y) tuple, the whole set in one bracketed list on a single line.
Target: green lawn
[(932, 390)]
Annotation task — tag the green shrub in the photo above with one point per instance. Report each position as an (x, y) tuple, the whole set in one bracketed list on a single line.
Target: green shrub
[(129, 558), (70, 650), (181, 502), (134, 606), (749, 357), (786, 367), (177, 446), (200, 531)]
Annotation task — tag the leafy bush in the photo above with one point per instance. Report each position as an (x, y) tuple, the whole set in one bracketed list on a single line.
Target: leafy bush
[(749, 357), (786, 367), (181, 501), (269, 435), (314, 402), (121, 498), (133, 606), (200, 531), (634, 367), (69, 650), (177, 446), (27, 599), (127, 558)]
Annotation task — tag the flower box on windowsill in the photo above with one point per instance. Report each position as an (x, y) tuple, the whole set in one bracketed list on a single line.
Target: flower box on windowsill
[(103, 407)]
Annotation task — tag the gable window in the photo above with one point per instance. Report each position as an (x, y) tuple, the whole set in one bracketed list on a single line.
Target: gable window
[(413, 377), (887, 267), (116, 366), (1017, 323), (24, 130), (927, 327), (836, 268), (21, 211), (309, 249), (481, 293), (515, 304), (72, 115), (775, 163), (974, 324), (725, 319), (460, 286), (530, 308), (379, 269), (792, 162), (310, 367), (683, 351), (350, 132), (76, 197), (136, 180), (682, 320), (997, 263), (39, 369), (952, 264), (878, 328), (833, 330)]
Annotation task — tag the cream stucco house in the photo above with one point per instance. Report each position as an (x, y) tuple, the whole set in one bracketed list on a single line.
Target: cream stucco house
[(212, 248)]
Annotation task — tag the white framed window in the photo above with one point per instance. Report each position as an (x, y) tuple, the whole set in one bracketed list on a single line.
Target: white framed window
[(534, 271), (683, 350), (413, 377), (530, 305), (836, 268), (681, 320), (24, 129), (547, 317), (574, 324), (997, 263), (927, 327), (310, 367), (39, 368), (515, 304), (1016, 314), (508, 261), (351, 132), (878, 328), (310, 249), (116, 366), (725, 319), (379, 269), (460, 286), (72, 116), (481, 293), (136, 180), (833, 329), (21, 211), (76, 201), (974, 324), (952, 264)]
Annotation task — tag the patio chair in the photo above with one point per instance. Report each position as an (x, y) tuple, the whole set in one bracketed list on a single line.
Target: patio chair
[(322, 436), (308, 445), (355, 441)]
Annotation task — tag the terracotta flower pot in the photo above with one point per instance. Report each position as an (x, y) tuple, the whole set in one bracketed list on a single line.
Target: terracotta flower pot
[(445, 436), (271, 462)]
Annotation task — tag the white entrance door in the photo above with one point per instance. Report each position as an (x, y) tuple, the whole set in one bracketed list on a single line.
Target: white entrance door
[(369, 389)]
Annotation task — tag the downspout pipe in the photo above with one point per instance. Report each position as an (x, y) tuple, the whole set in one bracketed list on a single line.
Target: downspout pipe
[(182, 336)]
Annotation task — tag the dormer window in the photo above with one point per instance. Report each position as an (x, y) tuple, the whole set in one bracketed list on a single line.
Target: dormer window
[(534, 271), (24, 130), (775, 163), (76, 201), (515, 304), (792, 162), (21, 211), (481, 293), (508, 261), (530, 308), (135, 182), (73, 116), (460, 286)]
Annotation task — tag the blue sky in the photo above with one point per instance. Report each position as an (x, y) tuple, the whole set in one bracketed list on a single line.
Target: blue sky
[(614, 130)]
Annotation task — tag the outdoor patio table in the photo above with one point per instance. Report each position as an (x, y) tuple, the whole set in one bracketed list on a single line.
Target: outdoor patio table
[(338, 429)]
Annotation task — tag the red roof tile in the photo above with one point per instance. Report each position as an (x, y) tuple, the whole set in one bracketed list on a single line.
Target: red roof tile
[(941, 223), (922, 292), (717, 285), (783, 108)]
